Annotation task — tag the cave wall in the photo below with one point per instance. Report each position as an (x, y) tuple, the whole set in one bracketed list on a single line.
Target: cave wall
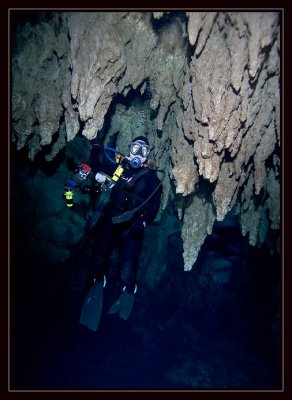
[(212, 114)]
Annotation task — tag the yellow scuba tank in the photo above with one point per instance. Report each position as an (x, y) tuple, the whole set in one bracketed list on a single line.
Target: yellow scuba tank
[(68, 193)]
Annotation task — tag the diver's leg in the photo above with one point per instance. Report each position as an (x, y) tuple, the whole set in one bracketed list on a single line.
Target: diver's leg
[(92, 306), (102, 250), (129, 252)]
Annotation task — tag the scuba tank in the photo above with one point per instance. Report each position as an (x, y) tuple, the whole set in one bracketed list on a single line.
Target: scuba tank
[(68, 196)]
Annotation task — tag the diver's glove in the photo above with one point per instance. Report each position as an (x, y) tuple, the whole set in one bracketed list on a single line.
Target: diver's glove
[(138, 227)]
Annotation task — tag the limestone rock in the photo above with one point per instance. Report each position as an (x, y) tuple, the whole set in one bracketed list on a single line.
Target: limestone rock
[(212, 84), (199, 28), (38, 84), (184, 172), (198, 221)]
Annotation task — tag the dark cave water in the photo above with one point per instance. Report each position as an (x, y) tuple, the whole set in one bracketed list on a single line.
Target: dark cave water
[(165, 344)]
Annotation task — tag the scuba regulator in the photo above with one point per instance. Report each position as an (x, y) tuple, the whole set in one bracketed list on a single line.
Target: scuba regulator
[(79, 175), (107, 182), (82, 172), (135, 162)]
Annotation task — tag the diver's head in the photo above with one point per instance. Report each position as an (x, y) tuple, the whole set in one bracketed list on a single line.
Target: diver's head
[(139, 151)]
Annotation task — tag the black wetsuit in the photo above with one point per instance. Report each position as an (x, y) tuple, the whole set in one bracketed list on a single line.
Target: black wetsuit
[(126, 236)]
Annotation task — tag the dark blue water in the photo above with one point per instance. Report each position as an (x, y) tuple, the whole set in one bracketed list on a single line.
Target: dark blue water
[(172, 339)]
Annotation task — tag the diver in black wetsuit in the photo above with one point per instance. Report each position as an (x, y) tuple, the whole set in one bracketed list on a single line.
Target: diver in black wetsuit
[(137, 189)]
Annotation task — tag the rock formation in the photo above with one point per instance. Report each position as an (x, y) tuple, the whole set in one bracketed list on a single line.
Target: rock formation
[(210, 83)]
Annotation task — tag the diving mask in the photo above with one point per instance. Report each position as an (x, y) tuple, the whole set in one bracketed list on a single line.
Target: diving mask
[(140, 148)]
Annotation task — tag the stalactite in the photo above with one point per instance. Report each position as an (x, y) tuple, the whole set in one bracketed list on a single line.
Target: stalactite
[(213, 81)]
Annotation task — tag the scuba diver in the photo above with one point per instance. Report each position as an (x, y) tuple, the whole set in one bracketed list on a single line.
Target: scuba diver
[(134, 201)]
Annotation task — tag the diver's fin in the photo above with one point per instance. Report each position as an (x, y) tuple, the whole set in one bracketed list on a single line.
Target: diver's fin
[(127, 305), (116, 306), (91, 310), (123, 305)]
